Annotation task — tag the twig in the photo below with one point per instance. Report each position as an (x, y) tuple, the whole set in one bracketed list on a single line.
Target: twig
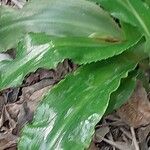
[(111, 138), (134, 139), (126, 133), (18, 4), (113, 144)]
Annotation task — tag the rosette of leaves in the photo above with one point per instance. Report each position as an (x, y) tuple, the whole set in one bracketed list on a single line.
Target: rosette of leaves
[(45, 33)]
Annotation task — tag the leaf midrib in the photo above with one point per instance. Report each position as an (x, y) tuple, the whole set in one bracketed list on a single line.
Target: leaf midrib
[(140, 20), (23, 23)]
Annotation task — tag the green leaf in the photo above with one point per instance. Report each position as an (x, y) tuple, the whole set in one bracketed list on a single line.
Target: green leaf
[(67, 18), (122, 94), (134, 12), (147, 3), (39, 50), (67, 115)]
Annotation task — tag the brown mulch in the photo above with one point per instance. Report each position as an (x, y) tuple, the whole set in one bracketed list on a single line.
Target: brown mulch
[(17, 105), (128, 128)]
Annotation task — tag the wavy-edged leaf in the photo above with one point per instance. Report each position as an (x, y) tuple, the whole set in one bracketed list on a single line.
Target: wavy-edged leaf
[(39, 50), (122, 94), (131, 11), (67, 18), (67, 115)]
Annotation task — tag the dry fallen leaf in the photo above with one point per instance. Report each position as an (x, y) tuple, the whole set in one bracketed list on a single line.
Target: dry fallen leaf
[(17, 105), (142, 134), (46, 73), (32, 79), (29, 90), (7, 140), (13, 116), (36, 97), (136, 112), (101, 132)]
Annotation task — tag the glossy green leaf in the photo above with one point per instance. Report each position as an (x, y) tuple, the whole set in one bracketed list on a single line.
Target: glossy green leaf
[(62, 18), (39, 50), (67, 115), (122, 94), (147, 3), (131, 11)]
